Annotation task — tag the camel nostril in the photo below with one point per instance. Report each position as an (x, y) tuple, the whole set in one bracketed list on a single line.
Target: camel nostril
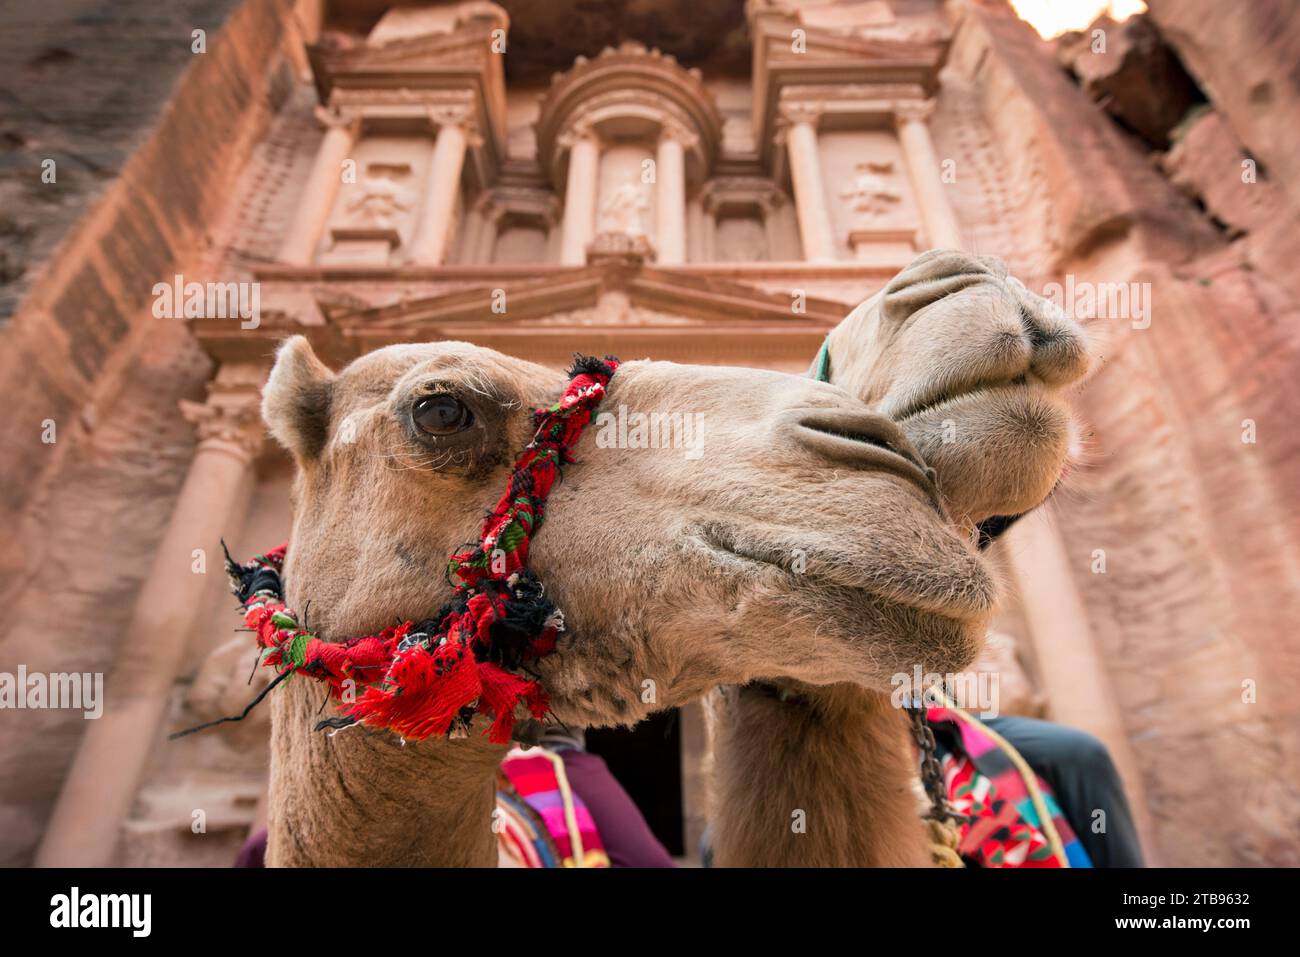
[(854, 436), (866, 428), (1058, 346), (1062, 358), (867, 441)]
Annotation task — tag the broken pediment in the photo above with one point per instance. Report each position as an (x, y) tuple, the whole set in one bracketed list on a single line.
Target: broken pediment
[(885, 59), (409, 23), (894, 54), (411, 63), (415, 56), (870, 19)]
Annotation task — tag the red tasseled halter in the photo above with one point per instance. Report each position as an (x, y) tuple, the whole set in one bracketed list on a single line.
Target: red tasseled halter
[(419, 679)]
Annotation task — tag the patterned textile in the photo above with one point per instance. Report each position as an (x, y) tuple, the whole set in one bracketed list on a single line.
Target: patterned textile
[(554, 827), (1003, 827), (521, 835)]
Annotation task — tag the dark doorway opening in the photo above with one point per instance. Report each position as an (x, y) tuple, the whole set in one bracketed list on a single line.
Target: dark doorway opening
[(647, 761)]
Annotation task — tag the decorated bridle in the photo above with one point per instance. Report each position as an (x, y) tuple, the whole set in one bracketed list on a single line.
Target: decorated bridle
[(431, 678)]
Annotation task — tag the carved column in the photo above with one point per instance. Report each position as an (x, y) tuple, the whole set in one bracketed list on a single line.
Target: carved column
[(442, 186), (341, 132), (101, 785), (468, 247), (695, 219), (489, 226), (708, 227), (799, 134), (769, 204), (580, 194), (670, 194), (942, 230)]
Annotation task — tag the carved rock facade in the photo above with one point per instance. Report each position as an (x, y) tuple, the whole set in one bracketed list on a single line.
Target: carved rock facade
[(719, 183)]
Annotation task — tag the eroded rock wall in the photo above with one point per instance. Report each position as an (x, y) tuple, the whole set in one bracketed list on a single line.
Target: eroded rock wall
[(148, 137), (1191, 472)]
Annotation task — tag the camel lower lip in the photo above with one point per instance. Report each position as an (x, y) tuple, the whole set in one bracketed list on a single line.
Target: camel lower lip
[(932, 402)]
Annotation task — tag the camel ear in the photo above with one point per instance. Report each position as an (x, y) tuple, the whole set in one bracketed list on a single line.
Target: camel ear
[(296, 399)]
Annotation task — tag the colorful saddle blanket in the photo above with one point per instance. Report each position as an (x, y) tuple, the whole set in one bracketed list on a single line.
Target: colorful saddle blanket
[(1003, 826), (541, 821)]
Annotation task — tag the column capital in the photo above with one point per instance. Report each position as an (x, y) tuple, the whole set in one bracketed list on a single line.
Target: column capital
[(676, 132), (907, 111), (494, 203), (741, 190), (348, 120), (488, 205), (771, 199), (231, 418), (460, 115), (578, 131), (794, 113)]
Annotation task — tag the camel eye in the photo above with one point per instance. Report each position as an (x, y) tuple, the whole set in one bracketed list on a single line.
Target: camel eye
[(441, 415)]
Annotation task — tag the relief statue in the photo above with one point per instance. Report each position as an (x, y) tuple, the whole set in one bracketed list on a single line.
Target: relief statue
[(380, 202), (621, 211), (872, 193)]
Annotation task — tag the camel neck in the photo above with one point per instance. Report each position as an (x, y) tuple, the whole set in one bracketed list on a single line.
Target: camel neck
[(362, 798), (814, 777)]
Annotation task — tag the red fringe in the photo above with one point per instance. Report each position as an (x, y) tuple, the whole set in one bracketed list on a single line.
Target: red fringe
[(423, 693)]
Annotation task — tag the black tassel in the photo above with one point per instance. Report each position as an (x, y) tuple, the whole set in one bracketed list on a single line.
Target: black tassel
[(239, 717), (590, 365), (248, 580), (335, 724)]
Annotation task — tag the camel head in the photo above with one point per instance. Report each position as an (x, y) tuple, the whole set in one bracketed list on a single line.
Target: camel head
[(793, 532), (975, 369)]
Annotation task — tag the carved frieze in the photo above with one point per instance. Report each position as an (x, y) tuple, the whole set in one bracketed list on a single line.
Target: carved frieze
[(620, 247)]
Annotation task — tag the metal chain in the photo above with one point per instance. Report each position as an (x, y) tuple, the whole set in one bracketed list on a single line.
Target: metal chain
[(931, 772)]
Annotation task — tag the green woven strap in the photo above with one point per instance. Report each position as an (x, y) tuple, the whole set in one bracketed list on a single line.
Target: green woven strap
[(822, 367)]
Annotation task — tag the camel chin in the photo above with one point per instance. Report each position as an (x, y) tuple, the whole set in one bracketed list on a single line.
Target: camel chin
[(939, 644)]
